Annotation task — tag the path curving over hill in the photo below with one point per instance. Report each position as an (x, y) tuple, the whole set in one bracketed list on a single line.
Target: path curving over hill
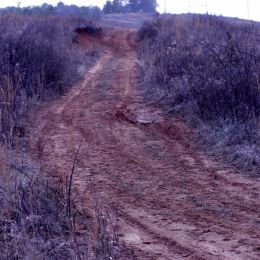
[(171, 202)]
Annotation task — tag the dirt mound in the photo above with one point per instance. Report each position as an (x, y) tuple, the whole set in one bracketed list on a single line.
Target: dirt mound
[(116, 41)]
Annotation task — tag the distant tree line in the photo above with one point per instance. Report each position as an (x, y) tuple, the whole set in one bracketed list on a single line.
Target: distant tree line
[(121, 6), (111, 6), (61, 9)]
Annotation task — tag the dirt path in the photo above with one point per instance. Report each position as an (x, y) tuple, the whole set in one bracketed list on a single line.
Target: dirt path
[(171, 202)]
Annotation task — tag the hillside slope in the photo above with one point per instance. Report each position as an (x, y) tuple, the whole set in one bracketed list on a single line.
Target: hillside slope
[(170, 201)]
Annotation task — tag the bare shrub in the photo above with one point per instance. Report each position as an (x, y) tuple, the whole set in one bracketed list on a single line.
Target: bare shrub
[(205, 68), (37, 62), (34, 222), (147, 32)]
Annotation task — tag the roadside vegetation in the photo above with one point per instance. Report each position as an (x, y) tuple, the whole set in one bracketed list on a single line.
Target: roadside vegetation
[(61, 10), (38, 220), (38, 61), (206, 69)]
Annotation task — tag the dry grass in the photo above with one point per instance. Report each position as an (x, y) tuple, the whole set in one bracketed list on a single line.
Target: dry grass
[(207, 69), (38, 219), (34, 219), (38, 61)]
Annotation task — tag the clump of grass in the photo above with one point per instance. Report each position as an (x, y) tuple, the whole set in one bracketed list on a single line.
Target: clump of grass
[(34, 219), (207, 69)]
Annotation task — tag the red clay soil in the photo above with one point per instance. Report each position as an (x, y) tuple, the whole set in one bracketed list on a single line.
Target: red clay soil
[(171, 201)]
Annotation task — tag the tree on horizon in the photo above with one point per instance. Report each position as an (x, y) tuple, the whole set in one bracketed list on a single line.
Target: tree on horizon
[(135, 6), (113, 6)]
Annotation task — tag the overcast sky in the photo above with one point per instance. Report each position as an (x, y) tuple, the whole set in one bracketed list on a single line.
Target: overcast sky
[(235, 8)]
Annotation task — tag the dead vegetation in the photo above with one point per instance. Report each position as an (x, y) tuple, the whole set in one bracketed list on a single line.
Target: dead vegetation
[(35, 221), (38, 61), (206, 69), (38, 219)]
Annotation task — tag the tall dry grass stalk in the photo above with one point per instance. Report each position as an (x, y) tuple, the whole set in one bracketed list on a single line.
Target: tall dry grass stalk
[(9, 90), (34, 220)]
